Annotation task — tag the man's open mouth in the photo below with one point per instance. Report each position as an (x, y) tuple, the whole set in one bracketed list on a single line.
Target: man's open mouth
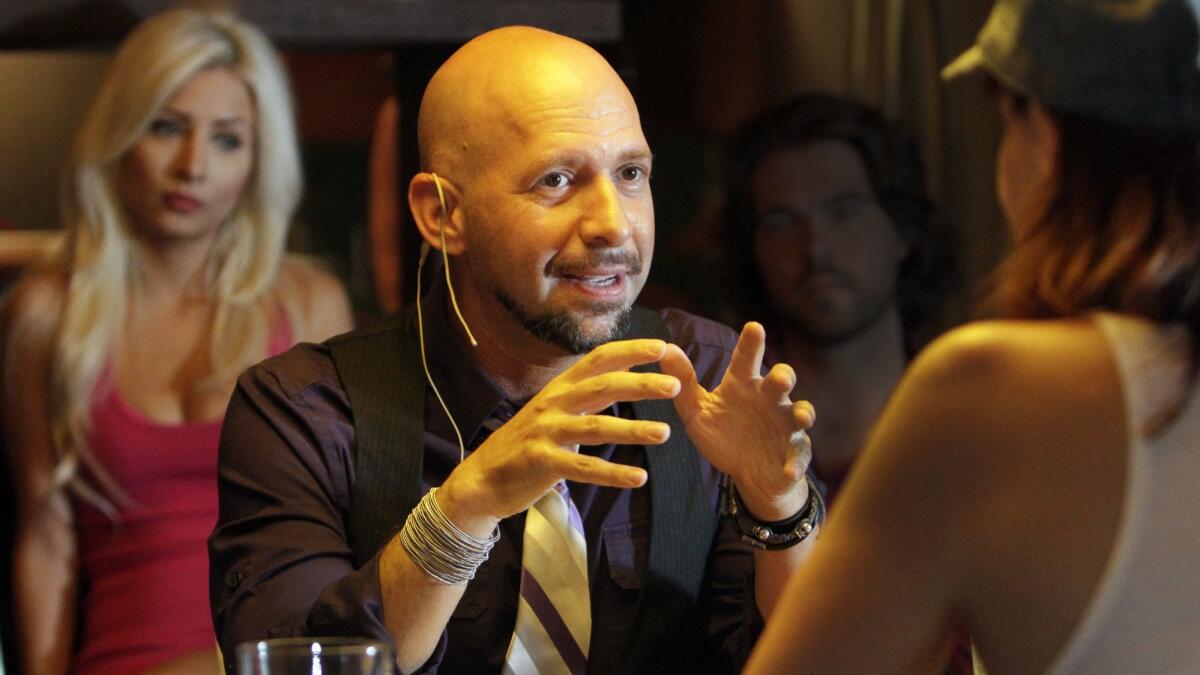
[(599, 281)]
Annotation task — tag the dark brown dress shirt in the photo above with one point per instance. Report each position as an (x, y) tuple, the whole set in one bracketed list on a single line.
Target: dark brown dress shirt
[(281, 565)]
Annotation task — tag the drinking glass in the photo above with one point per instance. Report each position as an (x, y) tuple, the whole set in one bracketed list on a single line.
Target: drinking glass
[(314, 656)]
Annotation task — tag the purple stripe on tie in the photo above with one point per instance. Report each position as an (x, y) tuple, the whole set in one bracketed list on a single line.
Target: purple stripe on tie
[(544, 610), (572, 512)]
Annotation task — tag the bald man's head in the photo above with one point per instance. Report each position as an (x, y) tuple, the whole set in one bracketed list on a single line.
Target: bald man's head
[(545, 173), (486, 91)]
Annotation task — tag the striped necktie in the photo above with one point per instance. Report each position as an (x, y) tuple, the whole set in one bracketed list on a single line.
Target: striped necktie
[(554, 616)]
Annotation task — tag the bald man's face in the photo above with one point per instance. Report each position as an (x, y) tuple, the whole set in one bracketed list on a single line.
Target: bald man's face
[(560, 228)]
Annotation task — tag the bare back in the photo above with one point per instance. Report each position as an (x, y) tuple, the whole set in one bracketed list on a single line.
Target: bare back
[(988, 496), (1043, 529)]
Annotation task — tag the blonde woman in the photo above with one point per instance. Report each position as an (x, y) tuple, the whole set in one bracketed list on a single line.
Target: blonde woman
[(120, 352)]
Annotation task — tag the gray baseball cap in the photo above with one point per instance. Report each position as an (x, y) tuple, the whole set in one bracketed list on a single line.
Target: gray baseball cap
[(1132, 62)]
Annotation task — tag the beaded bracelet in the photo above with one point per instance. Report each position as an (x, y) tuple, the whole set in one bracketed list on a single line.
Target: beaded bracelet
[(772, 535), (439, 547)]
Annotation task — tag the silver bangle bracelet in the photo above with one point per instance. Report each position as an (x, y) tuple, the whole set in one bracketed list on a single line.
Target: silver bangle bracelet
[(439, 547)]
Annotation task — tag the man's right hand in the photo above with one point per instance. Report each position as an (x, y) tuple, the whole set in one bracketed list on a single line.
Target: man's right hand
[(539, 446)]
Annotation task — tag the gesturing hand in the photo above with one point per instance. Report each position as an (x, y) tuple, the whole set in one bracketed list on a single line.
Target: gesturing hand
[(748, 427), (539, 446)]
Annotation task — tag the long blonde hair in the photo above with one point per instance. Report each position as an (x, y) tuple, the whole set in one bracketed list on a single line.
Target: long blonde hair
[(98, 258)]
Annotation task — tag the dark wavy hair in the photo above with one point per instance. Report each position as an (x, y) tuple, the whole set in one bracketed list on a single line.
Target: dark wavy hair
[(1121, 234), (894, 167)]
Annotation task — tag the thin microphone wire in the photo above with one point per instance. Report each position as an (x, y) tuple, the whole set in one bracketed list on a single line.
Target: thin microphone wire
[(437, 183), (462, 448)]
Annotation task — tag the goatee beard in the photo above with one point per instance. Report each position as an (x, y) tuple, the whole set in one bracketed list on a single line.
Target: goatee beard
[(563, 330)]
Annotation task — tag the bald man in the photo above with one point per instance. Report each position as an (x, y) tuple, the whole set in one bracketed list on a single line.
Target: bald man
[(535, 190)]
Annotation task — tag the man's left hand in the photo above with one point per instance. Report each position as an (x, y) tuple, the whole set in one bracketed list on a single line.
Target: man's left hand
[(749, 427)]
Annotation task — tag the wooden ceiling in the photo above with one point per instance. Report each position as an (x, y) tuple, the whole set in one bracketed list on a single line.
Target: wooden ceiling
[(320, 24)]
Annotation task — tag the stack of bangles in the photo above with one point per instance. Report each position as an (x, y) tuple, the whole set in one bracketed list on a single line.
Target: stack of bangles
[(437, 546)]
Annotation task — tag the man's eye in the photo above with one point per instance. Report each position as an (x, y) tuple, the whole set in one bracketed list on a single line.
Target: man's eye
[(847, 209), (778, 221), (554, 180), (633, 173)]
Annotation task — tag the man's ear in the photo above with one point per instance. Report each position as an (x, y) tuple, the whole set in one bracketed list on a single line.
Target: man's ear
[(437, 216)]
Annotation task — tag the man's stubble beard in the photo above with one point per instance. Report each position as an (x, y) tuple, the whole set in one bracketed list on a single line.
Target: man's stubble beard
[(815, 329), (565, 331)]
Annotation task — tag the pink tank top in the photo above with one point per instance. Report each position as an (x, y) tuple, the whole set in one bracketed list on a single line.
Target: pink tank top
[(146, 576)]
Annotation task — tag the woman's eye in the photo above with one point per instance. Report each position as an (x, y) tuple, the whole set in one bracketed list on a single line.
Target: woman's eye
[(228, 141), (166, 127)]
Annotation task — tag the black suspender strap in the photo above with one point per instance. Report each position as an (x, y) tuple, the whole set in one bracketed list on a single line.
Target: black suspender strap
[(682, 526), (380, 369)]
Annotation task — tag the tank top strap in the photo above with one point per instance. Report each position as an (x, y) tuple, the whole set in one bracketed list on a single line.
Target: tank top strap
[(279, 337)]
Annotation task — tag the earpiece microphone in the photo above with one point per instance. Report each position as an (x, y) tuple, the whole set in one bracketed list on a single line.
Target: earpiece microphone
[(443, 216), (437, 183)]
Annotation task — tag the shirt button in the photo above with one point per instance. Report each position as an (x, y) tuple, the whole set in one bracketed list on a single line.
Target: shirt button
[(233, 580)]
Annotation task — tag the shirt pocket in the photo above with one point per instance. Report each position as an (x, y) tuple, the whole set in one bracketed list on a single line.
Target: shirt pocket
[(627, 547)]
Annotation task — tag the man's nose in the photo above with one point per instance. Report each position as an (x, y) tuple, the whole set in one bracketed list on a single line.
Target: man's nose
[(605, 222), (815, 235), (820, 236), (191, 158)]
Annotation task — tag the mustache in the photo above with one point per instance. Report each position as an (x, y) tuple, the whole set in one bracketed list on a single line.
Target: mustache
[(629, 260), (826, 271)]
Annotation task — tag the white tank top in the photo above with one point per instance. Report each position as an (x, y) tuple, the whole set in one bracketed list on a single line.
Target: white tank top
[(1144, 616)]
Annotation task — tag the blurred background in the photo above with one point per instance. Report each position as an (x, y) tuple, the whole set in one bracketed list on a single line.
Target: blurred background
[(698, 69)]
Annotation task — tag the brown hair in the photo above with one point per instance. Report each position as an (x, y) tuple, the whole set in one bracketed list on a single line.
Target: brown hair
[(892, 161), (1122, 233)]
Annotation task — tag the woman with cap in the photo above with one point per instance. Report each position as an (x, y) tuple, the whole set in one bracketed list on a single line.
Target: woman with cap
[(1034, 476)]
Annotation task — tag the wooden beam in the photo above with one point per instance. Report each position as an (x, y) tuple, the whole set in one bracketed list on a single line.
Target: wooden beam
[(38, 24), (21, 247)]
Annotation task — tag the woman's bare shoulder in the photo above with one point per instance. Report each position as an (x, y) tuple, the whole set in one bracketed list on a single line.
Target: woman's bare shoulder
[(999, 352), (990, 401), (1009, 391), (32, 309), (1027, 419)]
